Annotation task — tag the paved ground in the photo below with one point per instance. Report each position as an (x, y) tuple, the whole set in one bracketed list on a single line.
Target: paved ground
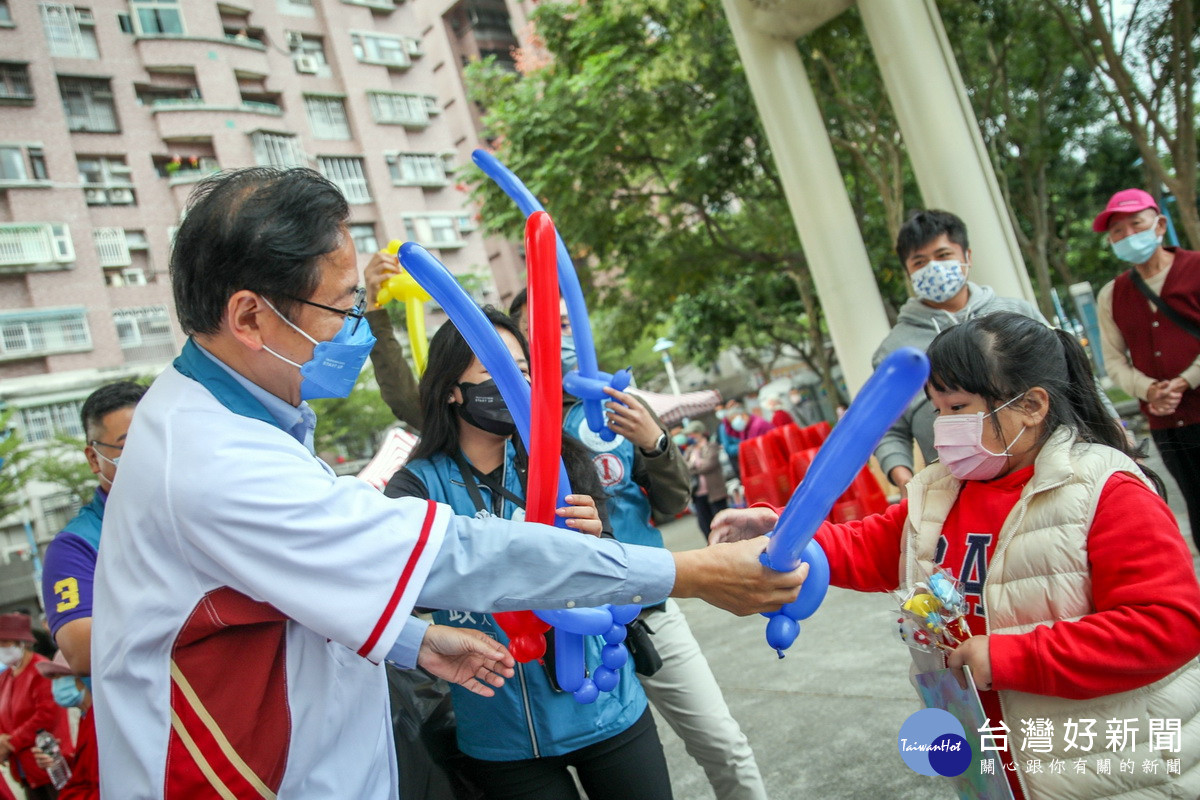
[(823, 721)]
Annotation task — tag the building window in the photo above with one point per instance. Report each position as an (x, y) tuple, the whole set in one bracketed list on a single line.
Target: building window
[(14, 82), (5, 14), (435, 230), (370, 48), (22, 164), (156, 17), (417, 169), (25, 334), (145, 334), (397, 108), (277, 150), (112, 248), (88, 103), (35, 243), (327, 116), (70, 30), (40, 424), (363, 234), (347, 175), (105, 181), (58, 509)]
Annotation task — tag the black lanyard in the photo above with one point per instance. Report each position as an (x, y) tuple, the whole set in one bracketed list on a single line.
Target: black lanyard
[(499, 493)]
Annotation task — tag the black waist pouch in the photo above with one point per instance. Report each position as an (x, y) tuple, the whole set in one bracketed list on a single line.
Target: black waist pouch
[(646, 660)]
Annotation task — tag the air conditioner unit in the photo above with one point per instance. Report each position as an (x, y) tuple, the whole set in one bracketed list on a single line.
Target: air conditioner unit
[(414, 47), (120, 196), (307, 64), (295, 39), (95, 196)]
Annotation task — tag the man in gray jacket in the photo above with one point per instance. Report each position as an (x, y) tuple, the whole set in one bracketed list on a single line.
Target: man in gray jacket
[(932, 246)]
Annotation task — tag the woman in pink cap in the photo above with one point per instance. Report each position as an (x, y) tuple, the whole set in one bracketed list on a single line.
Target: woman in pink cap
[(26, 706)]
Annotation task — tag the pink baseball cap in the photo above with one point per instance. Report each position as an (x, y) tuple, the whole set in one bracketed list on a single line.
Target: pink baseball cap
[(1126, 201)]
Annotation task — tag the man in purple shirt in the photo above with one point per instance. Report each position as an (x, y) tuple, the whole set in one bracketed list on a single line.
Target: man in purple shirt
[(71, 557)]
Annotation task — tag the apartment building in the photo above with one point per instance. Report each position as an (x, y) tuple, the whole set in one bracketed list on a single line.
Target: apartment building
[(112, 110)]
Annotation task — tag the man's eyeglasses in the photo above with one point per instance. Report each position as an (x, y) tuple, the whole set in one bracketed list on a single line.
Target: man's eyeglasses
[(355, 313)]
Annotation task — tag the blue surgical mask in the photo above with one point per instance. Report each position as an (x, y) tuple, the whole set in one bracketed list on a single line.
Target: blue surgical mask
[(66, 693), (739, 423), (939, 281), (570, 360), (335, 364), (1137, 248)]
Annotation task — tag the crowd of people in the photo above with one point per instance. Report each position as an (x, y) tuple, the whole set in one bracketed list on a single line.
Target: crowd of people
[(248, 611)]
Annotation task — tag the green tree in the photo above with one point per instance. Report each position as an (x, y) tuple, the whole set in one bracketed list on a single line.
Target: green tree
[(14, 466), (64, 466), (351, 426), (1143, 54), (639, 131)]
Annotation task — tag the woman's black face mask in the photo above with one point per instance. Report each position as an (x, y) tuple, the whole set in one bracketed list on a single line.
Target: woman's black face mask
[(483, 406)]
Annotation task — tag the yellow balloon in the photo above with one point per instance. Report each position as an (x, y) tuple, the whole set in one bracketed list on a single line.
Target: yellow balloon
[(405, 289)]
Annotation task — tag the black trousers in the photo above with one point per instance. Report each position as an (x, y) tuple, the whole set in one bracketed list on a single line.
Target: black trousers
[(1180, 450), (628, 766), (706, 510)]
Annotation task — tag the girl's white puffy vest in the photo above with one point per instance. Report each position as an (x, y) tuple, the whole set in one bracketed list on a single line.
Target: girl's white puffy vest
[(1039, 575)]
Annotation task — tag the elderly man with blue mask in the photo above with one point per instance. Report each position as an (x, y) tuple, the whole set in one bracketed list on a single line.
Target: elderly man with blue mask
[(246, 596), (1149, 319)]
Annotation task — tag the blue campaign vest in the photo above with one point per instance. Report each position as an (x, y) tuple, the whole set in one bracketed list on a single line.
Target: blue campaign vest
[(231, 394), (526, 718), (628, 508), (86, 524)]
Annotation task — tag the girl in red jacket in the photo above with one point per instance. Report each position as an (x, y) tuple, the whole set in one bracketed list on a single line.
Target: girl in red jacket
[(1081, 595)]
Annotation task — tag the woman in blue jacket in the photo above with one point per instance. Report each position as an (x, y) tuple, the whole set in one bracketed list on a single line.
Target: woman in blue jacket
[(519, 743)]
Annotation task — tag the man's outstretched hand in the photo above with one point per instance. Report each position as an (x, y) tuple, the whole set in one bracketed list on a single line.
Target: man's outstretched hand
[(467, 657), (730, 576), (736, 524)]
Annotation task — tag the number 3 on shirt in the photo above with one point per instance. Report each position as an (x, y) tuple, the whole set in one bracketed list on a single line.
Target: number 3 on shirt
[(68, 592)]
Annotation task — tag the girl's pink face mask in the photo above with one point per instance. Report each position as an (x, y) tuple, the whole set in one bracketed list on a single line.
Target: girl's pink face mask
[(958, 440)]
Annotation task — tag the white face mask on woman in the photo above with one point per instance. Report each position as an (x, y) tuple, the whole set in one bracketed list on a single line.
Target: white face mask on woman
[(11, 656), (958, 440)]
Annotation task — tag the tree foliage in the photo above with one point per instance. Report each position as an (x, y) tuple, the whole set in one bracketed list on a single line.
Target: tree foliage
[(351, 426), (640, 135), (633, 122), (14, 466), (64, 466), (1143, 55)]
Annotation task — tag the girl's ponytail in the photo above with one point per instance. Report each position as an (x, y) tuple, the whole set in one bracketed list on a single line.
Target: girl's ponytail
[(1096, 424)]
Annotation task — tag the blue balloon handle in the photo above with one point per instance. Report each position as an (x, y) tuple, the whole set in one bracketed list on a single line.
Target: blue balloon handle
[(882, 400), (568, 284), (481, 335)]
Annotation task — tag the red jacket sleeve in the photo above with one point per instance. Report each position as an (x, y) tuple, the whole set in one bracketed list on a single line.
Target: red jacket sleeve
[(43, 712), (1147, 619), (865, 554)]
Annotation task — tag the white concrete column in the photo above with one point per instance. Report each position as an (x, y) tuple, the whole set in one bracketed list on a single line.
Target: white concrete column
[(942, 135), (815, 193)]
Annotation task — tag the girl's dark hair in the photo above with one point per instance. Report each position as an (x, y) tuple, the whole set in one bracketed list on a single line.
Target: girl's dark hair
[(449, 358), (1003, 355)]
